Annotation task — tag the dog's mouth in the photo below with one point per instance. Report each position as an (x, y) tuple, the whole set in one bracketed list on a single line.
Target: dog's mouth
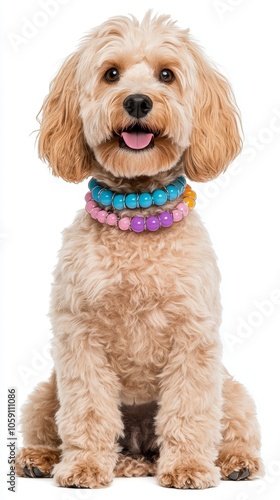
[(137, 137)]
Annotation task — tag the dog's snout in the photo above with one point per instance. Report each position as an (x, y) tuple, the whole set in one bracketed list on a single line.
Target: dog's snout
[(138, 105)]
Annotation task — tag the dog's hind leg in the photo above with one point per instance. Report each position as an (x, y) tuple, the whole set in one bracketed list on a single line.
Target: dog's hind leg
[(40, 437), (239, 454)]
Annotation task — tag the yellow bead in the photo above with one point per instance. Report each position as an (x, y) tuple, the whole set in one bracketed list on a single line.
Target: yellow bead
[(191, 193), (190, 202)]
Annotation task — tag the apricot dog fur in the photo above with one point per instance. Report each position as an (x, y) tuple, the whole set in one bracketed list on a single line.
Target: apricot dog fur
[(138, 385)]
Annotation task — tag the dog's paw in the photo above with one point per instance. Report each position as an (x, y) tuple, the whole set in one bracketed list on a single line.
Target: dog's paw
[(36, 461), (81, 474), (238, 468), (190, 477)]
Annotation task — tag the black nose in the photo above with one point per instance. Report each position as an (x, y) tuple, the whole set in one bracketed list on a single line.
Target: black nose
[(137, 105)]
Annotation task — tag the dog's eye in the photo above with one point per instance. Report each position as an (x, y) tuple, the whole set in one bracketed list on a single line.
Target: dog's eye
[(166, 75), (112, 75)]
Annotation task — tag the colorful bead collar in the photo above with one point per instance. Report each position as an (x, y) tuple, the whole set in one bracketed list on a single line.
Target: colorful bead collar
[(138, 224), (159, 197)]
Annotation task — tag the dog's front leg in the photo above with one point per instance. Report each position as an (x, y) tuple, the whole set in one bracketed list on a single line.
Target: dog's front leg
[(188, 421), (89, 420)]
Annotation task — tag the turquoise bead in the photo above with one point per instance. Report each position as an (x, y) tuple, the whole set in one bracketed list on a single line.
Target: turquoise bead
[(183, 180), (105, 197), (131, 200), (145, 200), (118, 202), (159, 197), (92, 183), (95, 192), (179, 186), (172, 192)]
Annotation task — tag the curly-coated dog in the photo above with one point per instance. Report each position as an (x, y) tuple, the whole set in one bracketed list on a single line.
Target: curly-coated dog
[(138, 386)]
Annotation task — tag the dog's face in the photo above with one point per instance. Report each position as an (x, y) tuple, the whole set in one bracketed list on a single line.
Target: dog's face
[(137, 92), (138, 99)]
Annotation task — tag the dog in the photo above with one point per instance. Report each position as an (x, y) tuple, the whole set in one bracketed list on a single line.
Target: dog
[(138, 386)]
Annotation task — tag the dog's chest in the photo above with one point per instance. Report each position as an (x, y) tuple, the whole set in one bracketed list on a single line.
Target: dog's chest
[(136, 292), (135, 322), (138, 307)]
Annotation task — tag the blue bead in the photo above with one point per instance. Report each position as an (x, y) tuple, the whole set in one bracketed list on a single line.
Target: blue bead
[(118, 202), (179, 186), (95, 192), (145, 200), (92, 183), (159, 197), (183, 183), (182, 179), (105, 197), (172, 192), (131, 200)]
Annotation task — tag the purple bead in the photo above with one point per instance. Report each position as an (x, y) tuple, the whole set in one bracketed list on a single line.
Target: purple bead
[(152, 223), (137, 224), (166, 219)]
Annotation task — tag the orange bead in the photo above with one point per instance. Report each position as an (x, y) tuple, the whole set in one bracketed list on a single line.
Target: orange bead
[(191, 193), (188, 187), (190, 202)]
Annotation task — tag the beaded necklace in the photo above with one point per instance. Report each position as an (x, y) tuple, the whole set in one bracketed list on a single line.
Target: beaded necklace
[(159, 197), (100, 195)]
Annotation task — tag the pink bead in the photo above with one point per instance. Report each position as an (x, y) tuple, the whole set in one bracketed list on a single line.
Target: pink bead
[(90, 205), (124, 223), (112, 219), (88, 196), (102, 216), (183, 207), (177, 215), (94, 212)]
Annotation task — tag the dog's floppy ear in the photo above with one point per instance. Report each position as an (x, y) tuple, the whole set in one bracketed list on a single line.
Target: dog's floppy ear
[(61, 139), (215, 139)]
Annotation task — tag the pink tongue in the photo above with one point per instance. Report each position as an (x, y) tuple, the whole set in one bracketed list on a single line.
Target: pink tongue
[(137, 140)]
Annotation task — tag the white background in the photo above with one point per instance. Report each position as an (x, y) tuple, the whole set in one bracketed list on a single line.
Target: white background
[(240, 210)]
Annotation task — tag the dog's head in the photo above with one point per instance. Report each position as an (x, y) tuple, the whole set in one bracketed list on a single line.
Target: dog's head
[(138, 99)]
